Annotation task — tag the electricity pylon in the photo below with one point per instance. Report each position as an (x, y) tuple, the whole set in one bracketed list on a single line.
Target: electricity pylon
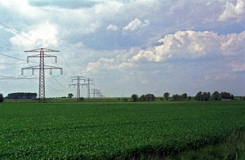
[(97, 93), (78, 84), (41, 67), (89, 82)]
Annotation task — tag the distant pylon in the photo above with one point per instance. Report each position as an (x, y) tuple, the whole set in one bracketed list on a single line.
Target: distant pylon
[(78, 84), (97, 93), (89, 82), (41, 67)]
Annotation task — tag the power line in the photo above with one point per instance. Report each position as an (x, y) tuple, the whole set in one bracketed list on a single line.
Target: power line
[(63, 75), (57, 82), (12, 57), (11, 63), (14, 32), (15, 58), (67, 63), (15, 77), (65, 78)]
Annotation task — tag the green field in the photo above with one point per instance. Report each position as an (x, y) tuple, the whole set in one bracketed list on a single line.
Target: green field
[(115, 130)]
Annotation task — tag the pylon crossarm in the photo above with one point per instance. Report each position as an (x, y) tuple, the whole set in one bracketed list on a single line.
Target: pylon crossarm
[(50, 50), (49, 56), (32, 68), (38, 56), (80, 77), (34, 56), (42, 49), (34, 50), (52, 67)]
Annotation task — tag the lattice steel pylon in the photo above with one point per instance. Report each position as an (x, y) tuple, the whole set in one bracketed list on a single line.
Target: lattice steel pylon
[(78, 84), (41, 67), (89, 82)]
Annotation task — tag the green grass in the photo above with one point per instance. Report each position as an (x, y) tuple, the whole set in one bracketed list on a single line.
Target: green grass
[(115, 130)]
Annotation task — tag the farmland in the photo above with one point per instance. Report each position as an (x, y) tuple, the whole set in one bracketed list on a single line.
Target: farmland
[(114, 130)]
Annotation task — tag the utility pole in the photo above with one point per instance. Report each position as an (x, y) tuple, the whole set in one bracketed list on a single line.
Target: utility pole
[(41, 67), (78, 84)]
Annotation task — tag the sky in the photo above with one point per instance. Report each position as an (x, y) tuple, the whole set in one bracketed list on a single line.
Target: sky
[(125, 46)]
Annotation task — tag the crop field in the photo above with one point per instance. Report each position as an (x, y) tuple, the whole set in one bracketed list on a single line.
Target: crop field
[(114, 130)]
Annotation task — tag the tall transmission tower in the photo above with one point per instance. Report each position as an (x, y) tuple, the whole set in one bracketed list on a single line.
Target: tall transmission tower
[(41, 67), (78, 84), (89, 82), (97, 93)]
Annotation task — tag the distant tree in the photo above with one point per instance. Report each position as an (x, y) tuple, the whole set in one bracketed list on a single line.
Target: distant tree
[(81, 99), (216, 96), (150, 97), (142, 98), (166, 95), (202, 96), (177, 97), (1, 98), (134, 97), (198, 96), (225, 95), (70, 95), (205, 96), (184, 96), (147, 97)]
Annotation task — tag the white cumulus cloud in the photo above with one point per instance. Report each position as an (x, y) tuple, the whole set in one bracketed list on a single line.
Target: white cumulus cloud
[(108, 64), (136, 24), (233, 44), (182, 44), (112, 28), (232, 10), (191, 44), (40, 35)]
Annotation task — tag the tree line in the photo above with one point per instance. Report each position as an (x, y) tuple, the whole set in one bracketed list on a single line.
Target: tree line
[(206, 96), (144, 97), (22, 95), (200, 96)]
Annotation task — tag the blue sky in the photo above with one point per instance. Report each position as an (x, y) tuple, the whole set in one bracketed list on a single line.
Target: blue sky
[(126, 46)]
